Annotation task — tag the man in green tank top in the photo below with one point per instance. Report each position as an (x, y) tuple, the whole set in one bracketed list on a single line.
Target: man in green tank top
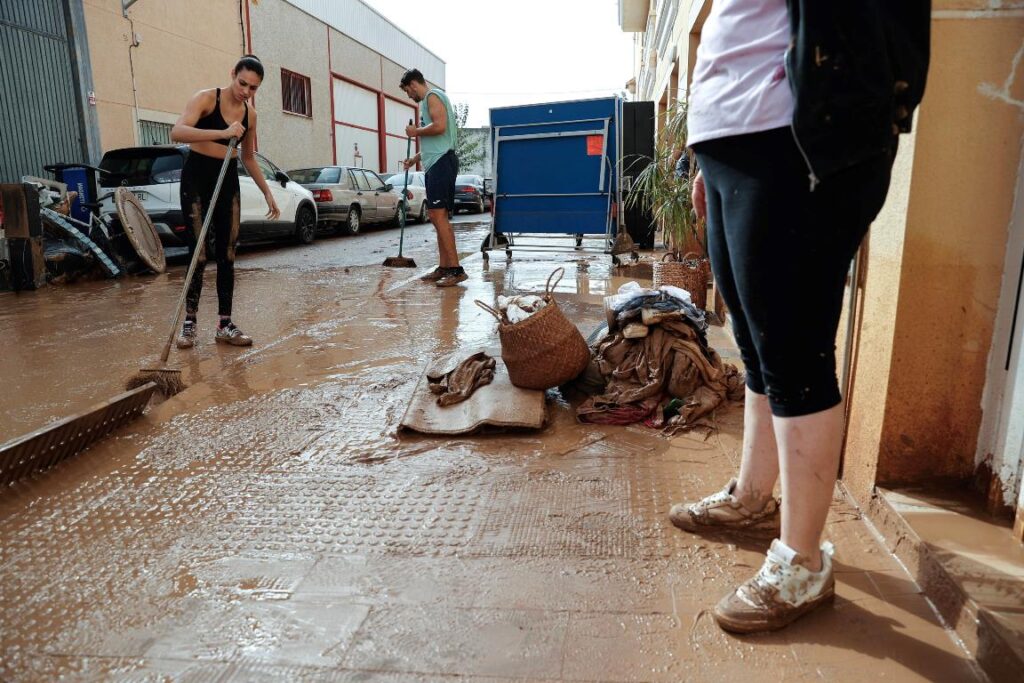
[(438, 134)]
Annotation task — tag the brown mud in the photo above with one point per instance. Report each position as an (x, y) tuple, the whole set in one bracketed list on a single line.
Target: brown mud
[(268, 525)]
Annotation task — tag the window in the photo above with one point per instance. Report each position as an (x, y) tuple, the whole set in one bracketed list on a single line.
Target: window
[(154, 133), (266, 168), (361, 182), (326, 175), (141, 166), (296, 95), (375, 182)]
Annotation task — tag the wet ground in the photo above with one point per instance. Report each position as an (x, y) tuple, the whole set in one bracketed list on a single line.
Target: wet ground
[(268, 524)]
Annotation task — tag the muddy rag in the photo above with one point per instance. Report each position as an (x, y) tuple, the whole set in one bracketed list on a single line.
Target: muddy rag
[(458, 384)]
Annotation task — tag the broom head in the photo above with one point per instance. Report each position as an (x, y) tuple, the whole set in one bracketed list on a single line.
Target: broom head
[(399, 262), (168, 380)]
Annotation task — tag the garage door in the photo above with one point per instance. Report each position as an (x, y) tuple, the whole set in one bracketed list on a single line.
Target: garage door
[(356, 129), (42, 123), (396, 117)]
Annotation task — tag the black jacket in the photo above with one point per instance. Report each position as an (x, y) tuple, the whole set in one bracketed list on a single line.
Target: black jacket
[(857, 69)]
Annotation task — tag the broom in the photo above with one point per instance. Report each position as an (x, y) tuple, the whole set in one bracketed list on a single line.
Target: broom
[(402, 261), (168, 380)]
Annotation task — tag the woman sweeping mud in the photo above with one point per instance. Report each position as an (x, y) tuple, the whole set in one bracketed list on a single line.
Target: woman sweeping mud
[(204, 126)]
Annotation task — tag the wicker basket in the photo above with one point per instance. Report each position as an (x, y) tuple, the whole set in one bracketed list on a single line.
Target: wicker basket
[(691, 273), (545, 350)]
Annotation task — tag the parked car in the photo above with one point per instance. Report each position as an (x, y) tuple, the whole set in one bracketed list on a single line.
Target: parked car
[(349, 198), (469, 193), (417, 210), (154, 175)]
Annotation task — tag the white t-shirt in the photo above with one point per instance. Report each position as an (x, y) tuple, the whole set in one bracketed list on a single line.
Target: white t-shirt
[(739, 81)]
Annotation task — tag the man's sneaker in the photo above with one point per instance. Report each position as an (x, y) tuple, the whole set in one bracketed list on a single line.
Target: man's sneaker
[(229, 334), (452, 278), (434, 275), (187, 338), (723, 511), (780, 593)]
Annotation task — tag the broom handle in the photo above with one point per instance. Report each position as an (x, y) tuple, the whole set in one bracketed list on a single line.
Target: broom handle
[(405, 201), (200, 245)]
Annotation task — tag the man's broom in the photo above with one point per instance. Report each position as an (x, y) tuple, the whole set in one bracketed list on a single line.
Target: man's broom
[(168, 380), (402, 261)]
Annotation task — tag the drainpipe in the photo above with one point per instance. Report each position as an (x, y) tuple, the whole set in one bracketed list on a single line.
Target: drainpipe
[(131, 66)]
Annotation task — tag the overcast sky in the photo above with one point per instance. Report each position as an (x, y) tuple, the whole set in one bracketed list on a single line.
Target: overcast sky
[(504, 52)]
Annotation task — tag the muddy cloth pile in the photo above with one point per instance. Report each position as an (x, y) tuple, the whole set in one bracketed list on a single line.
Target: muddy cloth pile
[(456, 385), (667, 376)]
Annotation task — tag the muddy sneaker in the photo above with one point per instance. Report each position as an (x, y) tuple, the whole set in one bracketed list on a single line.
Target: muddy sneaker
[(434, 275), (229, 334), (780, 593), (452, 278), (723, 511), (187, 338)]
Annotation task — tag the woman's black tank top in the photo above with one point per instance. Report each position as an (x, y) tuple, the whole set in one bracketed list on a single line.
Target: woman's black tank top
[(215, 121)]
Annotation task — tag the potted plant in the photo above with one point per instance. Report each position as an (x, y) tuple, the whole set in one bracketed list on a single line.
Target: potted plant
[(657, 190)]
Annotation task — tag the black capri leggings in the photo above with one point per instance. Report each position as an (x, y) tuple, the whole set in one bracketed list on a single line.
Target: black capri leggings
[(780, 254), (198, 180)]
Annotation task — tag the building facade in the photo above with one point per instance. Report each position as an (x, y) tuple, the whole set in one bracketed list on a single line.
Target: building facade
[(84, 76)]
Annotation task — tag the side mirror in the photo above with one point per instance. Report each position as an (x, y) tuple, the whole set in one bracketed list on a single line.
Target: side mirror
[(282, 177), (389, 187), (488, 186)]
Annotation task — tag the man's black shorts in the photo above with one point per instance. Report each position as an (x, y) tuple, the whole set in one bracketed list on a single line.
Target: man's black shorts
[(441, 182)]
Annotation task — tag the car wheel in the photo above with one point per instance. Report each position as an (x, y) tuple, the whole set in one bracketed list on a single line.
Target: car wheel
[(423, 212), (481, 209), (305, 225), (352, 225)]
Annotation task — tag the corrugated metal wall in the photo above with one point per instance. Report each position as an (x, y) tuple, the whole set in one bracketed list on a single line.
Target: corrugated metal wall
[(359, 21), (38, 102)]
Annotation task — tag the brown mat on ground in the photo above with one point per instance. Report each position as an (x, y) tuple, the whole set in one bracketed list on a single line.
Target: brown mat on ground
[(497, 405)]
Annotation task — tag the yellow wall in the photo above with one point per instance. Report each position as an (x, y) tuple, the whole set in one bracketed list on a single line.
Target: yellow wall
[(184, 46), (935, 259)]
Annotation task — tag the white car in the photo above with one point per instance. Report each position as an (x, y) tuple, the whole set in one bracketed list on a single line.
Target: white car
[(154, 175), (417, 195)]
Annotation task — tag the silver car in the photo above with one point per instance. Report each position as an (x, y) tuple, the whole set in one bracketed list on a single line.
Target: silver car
[(348, 198), (417, 192)]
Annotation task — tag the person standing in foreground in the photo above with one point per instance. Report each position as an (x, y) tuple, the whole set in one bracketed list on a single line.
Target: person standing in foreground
[(204, 126), (438, 135), (795, 125)]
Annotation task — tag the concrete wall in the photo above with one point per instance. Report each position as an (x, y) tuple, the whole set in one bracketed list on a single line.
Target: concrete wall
[(284, 37), (184, 46), (936, 258)]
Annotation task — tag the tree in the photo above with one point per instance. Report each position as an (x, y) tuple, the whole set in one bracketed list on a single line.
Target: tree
[(470, 143)]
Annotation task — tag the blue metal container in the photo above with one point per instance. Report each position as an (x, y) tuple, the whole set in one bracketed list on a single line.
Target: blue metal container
[(556, 167)]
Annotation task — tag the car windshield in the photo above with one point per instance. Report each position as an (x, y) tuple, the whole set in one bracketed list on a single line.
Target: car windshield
[(468, 180), (141, 166), (308, 176)]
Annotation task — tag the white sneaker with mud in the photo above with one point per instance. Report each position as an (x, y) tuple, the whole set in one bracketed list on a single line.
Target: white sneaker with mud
[(780, 593), (187, 338), (229, 334), (723, 511)]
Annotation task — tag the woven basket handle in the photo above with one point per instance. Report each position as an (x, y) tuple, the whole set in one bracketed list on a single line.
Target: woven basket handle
[(695, 255), (489, 309), (548, 288), (669, 255)]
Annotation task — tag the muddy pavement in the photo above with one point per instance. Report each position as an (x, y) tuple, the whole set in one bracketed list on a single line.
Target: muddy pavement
[(268, 525)]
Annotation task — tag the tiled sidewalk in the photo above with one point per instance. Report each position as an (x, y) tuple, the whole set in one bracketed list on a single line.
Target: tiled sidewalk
[(268, 526)]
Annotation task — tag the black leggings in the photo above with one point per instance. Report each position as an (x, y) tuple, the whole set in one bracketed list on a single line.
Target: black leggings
[(198, 180), (780, 254)]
